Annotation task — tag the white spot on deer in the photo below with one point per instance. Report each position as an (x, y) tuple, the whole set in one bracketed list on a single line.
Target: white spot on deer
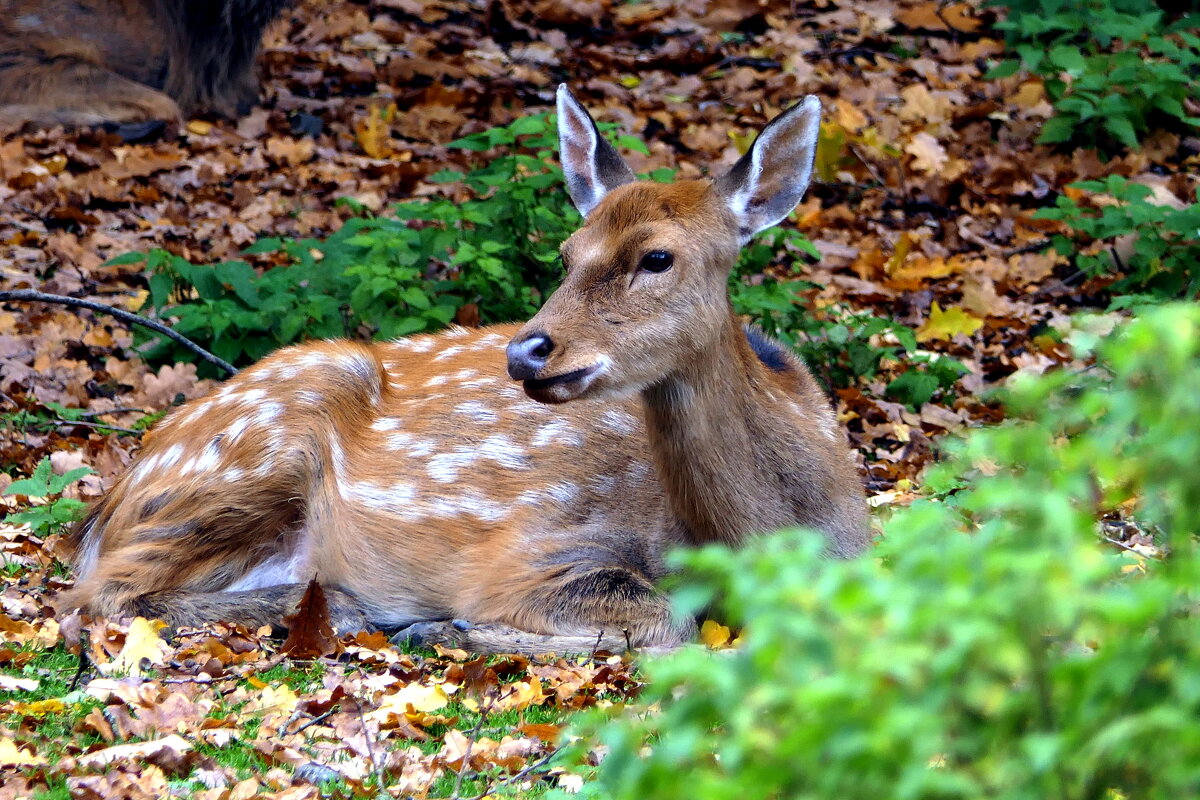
[(509, 391), (465, 375), (171, 455), (470, 503), (637, 473), (604, 485), (314, 359), (444, 467), (557, 430), (455, 332), (309, 397), (268, 412), (619, 422), (422, 345), (503, 451), (396, 499), (337, 457), (238, 427), (449, 352), (437, 380), (233, 475), (564, 492), (386, 424), (422, 448), (477, 411), (400, 440)]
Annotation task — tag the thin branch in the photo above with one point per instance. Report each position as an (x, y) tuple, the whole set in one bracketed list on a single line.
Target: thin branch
[(100, 426), (30, 296), (516, 776)]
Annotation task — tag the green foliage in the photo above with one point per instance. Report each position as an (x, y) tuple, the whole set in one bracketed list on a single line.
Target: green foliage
[(393, 275), (44, 484), (1113, 70), (1164, 260), (842, 345), (991, 647), (926, 376), (498, 249)]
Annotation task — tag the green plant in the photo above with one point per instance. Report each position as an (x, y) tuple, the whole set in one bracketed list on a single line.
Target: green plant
[(1113, 71), (498, 250), (1163, 260), (992, 647), (57, 512), (393, 275)]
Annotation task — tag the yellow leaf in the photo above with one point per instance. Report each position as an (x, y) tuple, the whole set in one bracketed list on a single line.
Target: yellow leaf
[(374, 133), (413, 697), (10, 756), (714, 634), (199, 127), (945, 324), (142, 643), (281, 701), (903, 248), (742, 141), (40, 708)]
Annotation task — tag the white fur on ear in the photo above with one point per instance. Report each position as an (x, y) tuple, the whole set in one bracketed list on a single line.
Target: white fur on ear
[(591, 166), (766, 183)]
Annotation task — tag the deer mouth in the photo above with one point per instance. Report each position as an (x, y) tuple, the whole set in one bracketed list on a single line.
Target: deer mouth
[(561, 388)]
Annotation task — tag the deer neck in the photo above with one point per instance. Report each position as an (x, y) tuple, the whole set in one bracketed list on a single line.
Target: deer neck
[(717, 442)]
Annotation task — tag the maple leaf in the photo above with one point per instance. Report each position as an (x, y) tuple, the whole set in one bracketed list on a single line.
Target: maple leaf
[(946, 323), (142, 644), (310, 633)]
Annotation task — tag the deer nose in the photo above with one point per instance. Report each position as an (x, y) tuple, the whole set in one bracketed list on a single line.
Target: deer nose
[(527, 356)]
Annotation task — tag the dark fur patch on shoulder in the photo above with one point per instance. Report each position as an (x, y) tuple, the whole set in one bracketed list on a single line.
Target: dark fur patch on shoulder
[(771, 353)]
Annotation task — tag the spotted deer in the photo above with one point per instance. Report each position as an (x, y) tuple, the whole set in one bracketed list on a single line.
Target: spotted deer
[(527, 512)]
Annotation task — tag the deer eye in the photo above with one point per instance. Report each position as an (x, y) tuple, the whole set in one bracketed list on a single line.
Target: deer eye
[(656, 261)]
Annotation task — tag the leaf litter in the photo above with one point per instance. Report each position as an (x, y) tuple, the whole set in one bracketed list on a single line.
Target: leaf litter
[(927, 179)]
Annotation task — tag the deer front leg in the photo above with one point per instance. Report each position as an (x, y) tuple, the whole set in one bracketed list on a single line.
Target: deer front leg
[(78, 93), (581, 611)]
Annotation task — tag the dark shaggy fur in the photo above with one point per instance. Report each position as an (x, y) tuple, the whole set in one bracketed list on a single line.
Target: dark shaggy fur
[(128, 62)]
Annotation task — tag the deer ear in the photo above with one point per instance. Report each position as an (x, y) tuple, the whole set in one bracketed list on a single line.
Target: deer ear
[(591, 165), (763, 187)]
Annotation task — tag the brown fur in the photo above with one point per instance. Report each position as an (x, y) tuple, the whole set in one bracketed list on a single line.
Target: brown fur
[(91, 62), (420, 484)]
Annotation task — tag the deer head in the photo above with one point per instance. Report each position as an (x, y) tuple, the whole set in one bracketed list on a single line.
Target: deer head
[(644, 294)]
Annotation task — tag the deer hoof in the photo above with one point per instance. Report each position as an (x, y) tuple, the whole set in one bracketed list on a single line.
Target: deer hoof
[(448, 633)]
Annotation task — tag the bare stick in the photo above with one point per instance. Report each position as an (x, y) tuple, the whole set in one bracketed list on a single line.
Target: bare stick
[(30, 296)]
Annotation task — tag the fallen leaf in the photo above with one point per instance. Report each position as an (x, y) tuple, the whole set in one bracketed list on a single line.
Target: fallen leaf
[(714, 634), (142, 644), (947, 323)]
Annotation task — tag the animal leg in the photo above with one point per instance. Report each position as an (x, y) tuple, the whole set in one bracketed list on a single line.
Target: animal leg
[(581, 611), (251, 607), (75, 92)]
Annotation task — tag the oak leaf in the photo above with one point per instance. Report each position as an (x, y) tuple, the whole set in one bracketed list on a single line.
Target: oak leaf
[(142, 644)]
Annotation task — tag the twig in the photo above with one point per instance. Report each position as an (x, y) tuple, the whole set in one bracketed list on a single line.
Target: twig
[(516, 776), (84, 660), (319, 718), (62, 423), (1040, 244), (28, 296), (94, 414), (376, 767), (471, 738)]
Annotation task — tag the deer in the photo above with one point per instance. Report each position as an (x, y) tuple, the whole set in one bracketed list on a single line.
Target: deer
[(512, 488), (133, 66)]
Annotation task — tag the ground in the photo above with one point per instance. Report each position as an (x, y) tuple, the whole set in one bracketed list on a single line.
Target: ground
[(922, 212)]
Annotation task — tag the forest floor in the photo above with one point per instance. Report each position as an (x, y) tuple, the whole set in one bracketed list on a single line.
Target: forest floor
[(923, 213)]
